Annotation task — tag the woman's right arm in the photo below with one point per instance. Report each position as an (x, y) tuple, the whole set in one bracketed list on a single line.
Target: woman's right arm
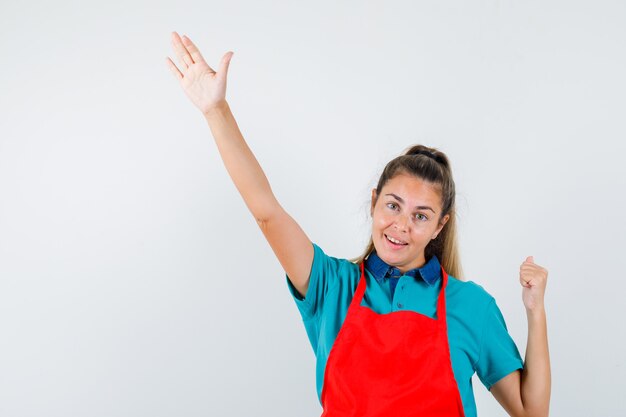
[(288, 241), (206, 88)]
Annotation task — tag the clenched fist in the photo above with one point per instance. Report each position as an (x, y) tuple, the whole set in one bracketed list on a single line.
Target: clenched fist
[(533, 278)]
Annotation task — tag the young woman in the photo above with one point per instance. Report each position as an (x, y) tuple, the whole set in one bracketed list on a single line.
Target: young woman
[(395, 332)]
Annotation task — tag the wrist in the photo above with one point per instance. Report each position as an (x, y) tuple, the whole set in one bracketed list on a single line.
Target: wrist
[(537, 313), (216, 109)]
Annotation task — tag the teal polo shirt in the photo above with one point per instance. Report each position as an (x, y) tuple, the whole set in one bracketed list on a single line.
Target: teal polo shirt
[(477, 333)]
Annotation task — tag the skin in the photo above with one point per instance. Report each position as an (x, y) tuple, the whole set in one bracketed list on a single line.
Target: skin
[(527, 393), (395, 214), (521, 394)]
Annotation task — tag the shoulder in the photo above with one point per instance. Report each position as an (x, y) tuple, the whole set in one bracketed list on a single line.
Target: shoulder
[(469, 292), (331, 264), (327, 275), (469, 303), (333, 270)]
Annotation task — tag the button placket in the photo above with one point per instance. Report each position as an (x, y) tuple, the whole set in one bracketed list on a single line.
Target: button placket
[(399, 294)]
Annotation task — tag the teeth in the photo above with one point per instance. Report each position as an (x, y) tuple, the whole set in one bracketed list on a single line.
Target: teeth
[(394, 240)]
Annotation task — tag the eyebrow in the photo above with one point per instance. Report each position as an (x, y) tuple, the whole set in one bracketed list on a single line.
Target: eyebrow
[(417, 207)]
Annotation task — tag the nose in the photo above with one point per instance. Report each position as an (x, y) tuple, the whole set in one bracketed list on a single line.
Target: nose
[(402, 222)]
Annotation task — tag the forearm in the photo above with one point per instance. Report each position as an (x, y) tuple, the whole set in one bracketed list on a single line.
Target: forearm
[(240, 162), (536, 378)]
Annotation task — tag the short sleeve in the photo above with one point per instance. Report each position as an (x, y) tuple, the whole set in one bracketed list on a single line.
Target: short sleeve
[(498, 355), (322, 278)]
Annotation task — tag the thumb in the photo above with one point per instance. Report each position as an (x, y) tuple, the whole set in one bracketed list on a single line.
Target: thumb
[(530, 259), (225, 62)]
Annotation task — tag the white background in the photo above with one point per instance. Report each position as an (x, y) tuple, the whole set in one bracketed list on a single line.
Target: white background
[(133, 280)]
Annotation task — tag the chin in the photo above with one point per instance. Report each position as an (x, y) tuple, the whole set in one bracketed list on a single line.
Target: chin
[(389, 256)]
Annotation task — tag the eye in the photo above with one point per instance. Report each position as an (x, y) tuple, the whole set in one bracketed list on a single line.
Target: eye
[(423, 218), (392, 206)]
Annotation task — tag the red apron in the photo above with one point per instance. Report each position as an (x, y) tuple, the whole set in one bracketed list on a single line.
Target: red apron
[(391, 365)]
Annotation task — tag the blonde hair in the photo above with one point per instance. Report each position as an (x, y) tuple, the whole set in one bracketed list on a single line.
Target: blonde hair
[(432, 165)]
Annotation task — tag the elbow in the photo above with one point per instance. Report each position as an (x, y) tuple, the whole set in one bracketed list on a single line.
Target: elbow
[(261, 221), (265, 218), (266, 211), (536, 411), (536, 414)]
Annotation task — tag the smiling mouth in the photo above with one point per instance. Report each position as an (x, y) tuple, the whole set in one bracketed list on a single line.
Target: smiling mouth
[(395, 242)]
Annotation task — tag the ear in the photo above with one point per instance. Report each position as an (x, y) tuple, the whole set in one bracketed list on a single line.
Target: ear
[(373, 202)]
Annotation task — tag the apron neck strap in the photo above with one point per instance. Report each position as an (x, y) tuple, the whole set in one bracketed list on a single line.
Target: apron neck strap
[(441, 301)]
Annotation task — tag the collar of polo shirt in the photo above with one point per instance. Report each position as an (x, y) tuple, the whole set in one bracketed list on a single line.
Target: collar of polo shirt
[(430, 272)]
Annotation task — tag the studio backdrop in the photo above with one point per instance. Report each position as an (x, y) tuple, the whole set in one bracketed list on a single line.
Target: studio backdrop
[(133, 279)]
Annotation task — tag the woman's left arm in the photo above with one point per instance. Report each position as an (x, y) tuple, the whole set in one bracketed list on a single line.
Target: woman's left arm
[(527, 393)]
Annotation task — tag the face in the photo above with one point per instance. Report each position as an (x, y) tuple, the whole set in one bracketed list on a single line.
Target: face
[(407, 211)]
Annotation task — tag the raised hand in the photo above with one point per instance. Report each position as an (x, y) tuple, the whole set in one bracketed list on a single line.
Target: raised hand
[(205, 87), (533, 278)]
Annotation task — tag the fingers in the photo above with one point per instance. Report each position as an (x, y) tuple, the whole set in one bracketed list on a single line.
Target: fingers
[(525, 274), (188, 55), (174, 69), (532, 274), (527, 266), (525, 280), (532, 269), (196, 56), (181, 51)]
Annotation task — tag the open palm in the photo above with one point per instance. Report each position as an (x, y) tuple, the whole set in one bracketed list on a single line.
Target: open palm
[(205, 87)]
